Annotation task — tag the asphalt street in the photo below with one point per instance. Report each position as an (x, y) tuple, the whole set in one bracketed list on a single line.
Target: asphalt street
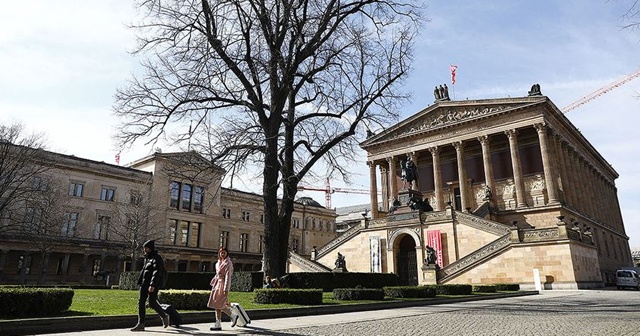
[(580, 312)]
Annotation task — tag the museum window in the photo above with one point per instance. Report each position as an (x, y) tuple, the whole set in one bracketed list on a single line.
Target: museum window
[(294, 245), (224, 239), (194, 234), (261, 244), (296, 223), (226, 213), (96, 267), (262, 218), (198, 199), (101, 230), (107, 194), (501, 162), (186, 197), (175, 194), (531, 159), (40, 183), (70, 224), (475, 168), (76, 189), (245, 216), (244, 242)]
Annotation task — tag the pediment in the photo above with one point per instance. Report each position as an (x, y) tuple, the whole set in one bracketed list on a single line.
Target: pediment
[(450, 114)]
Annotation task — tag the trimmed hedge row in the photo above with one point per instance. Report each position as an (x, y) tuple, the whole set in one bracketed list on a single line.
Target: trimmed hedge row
[(453, 289), (242, 281), (185, 299), (293, 296), (358, 294), (410, 292), (484, 288), (329, 281), (34, 302)]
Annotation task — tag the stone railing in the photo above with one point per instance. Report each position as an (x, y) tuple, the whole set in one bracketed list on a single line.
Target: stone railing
[(435, 216), (482, 224), (536, 235), (330, 246), (483, 210), (474, 258), (306, 264)]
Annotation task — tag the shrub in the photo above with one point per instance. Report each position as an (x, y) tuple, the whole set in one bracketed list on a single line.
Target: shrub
[(452, 289), (242, 281), (185, 299), (484, 288), (358, 294), (410, 292), (328, 281), (285, 295), (507, 287), (34, 302)]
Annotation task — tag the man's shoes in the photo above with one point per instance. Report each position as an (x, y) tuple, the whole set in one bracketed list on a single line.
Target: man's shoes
[(138, 327), (165, 320), (234, 320)]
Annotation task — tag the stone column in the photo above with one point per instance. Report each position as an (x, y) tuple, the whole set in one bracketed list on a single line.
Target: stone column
[(487, 163), (578, 202), (559, 158), (547, 164), (437, 178), (65, 267), (384, 182), (374, 189), (517, 167), (462, 174), (569, 185), (85, 260), (393, 180), (3, 260)]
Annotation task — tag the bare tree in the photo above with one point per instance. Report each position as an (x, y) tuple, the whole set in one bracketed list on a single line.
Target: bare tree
[(46, 221), (284, 84), (133, 220), (22, 163), (632, 16)]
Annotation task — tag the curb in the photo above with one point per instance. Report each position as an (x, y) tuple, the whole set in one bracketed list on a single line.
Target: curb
[(82, 323)]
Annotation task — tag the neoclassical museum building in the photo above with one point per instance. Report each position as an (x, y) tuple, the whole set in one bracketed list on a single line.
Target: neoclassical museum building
[(506, 191)]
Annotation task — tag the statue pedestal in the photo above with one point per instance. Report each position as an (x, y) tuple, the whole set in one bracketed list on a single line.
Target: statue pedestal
[(404, 196), (340, 270), (429, 275)]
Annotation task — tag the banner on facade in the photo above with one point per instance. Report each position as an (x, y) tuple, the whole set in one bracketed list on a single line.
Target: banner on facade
[(374, 250), (434, 240)]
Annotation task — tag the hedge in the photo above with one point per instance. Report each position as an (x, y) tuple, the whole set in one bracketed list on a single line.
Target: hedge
[(410, 292), (241, 281), (329, 281), (285, 295), (358, 294), (185, 299), (34, 302)]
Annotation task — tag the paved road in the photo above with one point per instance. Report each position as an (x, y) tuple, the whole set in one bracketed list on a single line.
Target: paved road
[(584, 312)]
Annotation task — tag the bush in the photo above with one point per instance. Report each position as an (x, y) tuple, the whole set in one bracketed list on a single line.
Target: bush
[(410, 292), (452, 289), (484, 288), (507, 287), (328, 281), (34, 302), (241, 282), (285, 295), (185, 299), (358, 294)]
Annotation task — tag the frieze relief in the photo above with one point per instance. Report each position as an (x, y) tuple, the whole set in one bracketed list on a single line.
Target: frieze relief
[(541, 234), (535, 185)]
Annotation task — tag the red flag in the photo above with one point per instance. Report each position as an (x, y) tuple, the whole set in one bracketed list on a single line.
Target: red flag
[(118, 158), (453, 73)]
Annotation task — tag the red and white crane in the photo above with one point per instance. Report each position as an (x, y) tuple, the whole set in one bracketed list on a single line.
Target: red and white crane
[(601, 91), (328, 190)]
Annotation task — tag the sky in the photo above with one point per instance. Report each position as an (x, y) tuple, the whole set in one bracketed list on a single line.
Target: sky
[(61, 62)]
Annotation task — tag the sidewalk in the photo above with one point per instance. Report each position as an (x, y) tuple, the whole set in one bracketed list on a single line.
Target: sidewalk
[(197, 323)]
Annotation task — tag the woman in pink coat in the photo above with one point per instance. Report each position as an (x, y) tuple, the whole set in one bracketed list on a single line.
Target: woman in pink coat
[(221, 284)]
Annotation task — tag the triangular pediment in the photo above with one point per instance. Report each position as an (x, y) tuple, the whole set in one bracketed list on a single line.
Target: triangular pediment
[(449, 114)]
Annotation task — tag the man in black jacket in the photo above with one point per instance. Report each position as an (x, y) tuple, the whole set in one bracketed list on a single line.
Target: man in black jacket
[(149, 281)]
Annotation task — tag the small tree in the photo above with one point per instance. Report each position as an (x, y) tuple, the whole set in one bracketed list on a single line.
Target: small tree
[(282, 84), (136, 218), (22, 164)]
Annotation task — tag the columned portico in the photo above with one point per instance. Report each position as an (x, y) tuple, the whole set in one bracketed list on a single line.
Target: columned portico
[(393, 183), (486, 161)]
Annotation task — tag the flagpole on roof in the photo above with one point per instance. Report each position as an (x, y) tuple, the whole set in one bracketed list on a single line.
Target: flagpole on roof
[(453, 69)]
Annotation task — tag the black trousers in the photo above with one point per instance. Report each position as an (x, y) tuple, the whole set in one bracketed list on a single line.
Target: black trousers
[(153, 303)]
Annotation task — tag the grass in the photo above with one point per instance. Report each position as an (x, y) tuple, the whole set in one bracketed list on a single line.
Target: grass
[(103, 302)]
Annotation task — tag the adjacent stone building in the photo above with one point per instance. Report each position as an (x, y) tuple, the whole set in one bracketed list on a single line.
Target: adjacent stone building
[(507, 191), (106, 211)]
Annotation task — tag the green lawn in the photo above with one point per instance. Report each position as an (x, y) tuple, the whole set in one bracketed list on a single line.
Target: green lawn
[(125, 302)]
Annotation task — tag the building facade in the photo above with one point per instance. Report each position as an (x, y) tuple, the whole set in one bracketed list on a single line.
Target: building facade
[(507, 191), (107, 211)]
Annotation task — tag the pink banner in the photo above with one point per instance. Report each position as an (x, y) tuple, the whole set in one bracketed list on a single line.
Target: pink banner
[(433, 240)]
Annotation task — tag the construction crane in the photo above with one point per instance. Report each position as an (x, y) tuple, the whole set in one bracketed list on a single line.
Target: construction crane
[(328, 190), (600, 92)]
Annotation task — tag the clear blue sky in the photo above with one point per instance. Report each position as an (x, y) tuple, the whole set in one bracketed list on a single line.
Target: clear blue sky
[(61, 61)]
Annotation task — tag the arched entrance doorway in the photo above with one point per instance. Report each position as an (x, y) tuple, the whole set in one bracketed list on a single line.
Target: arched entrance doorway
[(406, 261)]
